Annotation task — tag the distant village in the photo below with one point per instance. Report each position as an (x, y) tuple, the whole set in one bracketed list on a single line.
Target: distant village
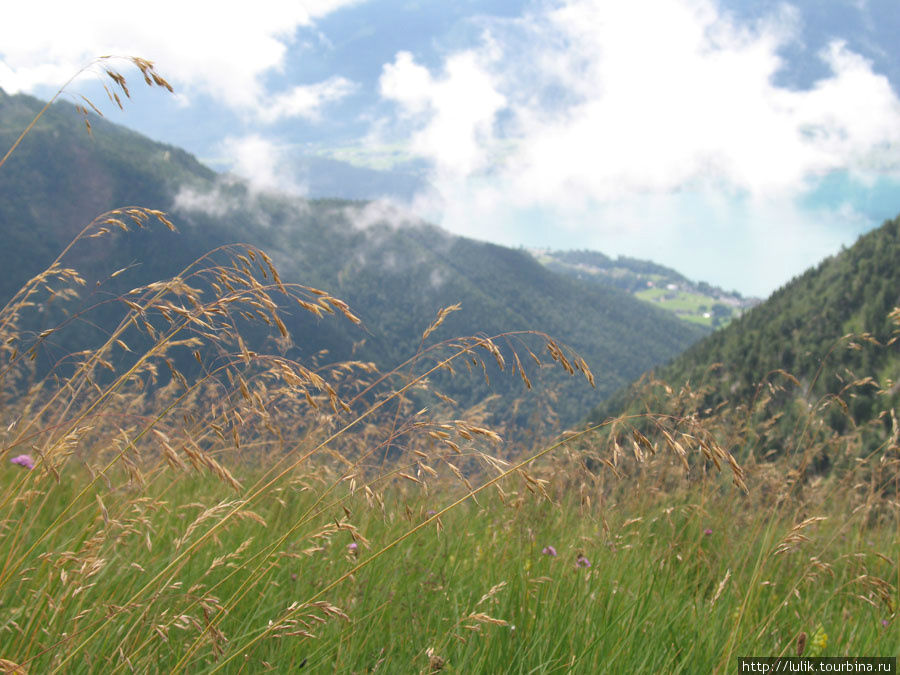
[(698, 302)]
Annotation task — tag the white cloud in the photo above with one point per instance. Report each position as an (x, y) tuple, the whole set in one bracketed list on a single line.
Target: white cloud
[(214, 202), (206, 47), (305, 101), (379, 212), (263, 163), (591, 110), (657, 95), (460, 107)]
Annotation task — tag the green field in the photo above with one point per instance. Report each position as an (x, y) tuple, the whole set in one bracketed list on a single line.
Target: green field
[(697, 303), (689, 306), (170, 578)]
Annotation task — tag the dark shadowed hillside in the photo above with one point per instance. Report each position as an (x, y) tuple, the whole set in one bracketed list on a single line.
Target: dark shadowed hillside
[(395, 271)]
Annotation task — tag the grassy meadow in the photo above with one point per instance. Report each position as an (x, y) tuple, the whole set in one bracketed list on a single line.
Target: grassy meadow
[(180, 495), (647, 573), (690, 306)]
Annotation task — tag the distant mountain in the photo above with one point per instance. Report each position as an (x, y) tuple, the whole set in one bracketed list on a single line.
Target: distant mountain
[(820, 336), (323, 178), (662, 286), (395, 271)]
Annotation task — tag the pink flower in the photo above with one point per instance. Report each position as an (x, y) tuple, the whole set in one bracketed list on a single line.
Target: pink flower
[(581, 561), (23, 460), (352, 547), (549, 550), (707, 531)]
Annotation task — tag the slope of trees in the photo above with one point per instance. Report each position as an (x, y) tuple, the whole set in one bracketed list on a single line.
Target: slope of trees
[(395, 272), (825, 338)]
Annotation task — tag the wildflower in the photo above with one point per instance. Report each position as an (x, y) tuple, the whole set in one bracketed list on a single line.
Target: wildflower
[(581, 561), (707, 531), (549, 550), (819, 641), (294, 576), (352, 547), (23, 460), (430, 512), (885, 623)]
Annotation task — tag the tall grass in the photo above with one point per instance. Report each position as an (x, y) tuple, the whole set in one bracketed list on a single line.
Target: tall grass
[(188, 499)]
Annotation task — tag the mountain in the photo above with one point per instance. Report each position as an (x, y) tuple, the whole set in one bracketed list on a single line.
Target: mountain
[(696, 302), (826, 339), (324, 177), (395, 271)]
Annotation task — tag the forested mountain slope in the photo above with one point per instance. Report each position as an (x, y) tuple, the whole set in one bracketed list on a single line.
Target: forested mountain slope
[(394, 271), (828, 329)]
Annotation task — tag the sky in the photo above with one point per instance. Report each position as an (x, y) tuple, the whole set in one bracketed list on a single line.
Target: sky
[(738, 141)]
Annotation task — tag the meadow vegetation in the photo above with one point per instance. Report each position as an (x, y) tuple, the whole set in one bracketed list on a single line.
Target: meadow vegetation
[(182, 496)]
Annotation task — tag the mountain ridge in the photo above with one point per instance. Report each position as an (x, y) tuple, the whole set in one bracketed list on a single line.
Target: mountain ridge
[(396, 271)]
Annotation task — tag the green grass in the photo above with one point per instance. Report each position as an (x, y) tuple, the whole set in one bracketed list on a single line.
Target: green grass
[(649, 602), (688, 306)]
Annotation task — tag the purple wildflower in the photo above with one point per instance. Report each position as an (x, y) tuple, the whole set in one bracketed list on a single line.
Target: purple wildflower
[(549, 550), (430, 512), (23, 460), (885, 623), (581, 561), (352, 547), (707, 531)]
